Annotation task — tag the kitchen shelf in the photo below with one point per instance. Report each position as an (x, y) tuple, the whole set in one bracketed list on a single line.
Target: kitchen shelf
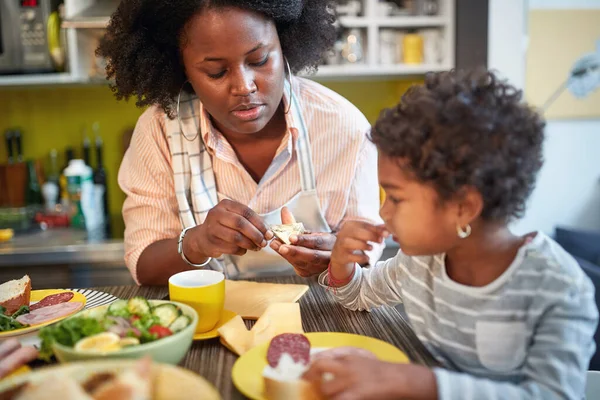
[(95, 16), (38, 79), (353, 70), (393, 22), (84, 22)]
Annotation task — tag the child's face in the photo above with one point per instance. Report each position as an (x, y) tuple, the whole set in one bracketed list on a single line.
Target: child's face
[(413, 214)]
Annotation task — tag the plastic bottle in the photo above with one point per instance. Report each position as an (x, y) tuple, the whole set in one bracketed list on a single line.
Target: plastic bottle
[(80, 187)]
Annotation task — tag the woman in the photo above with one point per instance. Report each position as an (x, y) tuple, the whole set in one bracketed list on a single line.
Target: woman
[(232, 143)]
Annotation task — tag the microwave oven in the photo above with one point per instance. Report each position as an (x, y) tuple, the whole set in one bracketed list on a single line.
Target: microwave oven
[(24, 36)]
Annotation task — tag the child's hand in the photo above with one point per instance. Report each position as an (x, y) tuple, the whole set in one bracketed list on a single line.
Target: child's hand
[(355, 376), (352, 241)]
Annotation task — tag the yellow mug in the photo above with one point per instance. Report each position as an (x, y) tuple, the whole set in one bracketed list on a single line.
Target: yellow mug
[(204, 291)]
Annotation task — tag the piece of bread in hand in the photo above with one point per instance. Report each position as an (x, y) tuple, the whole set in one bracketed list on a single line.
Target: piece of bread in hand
[(277, 386), (15, 293), (288, 358)]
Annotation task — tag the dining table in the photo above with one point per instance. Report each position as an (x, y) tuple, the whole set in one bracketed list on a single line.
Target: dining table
[(320, 313)]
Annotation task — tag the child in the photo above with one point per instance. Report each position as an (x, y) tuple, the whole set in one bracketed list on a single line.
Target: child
[(509, 317)]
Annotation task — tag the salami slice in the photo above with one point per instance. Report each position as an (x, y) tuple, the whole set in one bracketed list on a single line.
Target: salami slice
[(294, 344), (51, 300), (49, 313)]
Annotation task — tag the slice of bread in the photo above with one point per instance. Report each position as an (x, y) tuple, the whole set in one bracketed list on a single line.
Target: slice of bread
[(15, 293), (298, 389)]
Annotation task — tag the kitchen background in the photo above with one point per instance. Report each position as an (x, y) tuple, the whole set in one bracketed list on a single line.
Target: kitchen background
[(383, 48)]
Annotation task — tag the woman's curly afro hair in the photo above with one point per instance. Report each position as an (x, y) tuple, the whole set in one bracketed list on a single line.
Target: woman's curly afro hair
[(466, 128), (142, 42)]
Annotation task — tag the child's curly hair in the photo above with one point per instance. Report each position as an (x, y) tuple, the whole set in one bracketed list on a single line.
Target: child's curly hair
[(467, 128)]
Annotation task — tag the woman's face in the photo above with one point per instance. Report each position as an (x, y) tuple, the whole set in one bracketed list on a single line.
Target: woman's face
[(233, 59)]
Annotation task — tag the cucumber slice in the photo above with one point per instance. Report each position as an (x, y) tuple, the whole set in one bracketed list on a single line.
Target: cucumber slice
[(138, 306), (180, 323), (119, 309), (166, 313)]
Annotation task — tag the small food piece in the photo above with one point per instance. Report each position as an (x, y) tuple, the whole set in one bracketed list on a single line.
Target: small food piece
[(15, 293), (235, 336), (50, 313), (21, 311), (17, 359), (284, 231), (166, 313), (97, 380), (138, 306), (119, 308), (8, 346), (160, 331), (134, 383), (181, 322), (129, 341), (101, 342), (295, 344), (53, 299)]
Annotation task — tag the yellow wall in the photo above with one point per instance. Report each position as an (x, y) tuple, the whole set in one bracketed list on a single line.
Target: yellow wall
[(54, 117)]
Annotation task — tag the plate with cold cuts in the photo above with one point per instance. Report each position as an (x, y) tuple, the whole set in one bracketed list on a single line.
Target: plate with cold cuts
[(256, 376), (24, 310)]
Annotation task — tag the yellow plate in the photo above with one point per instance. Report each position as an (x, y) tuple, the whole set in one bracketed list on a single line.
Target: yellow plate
[(37, 295), (247, 370), (170, 382), (226, 316)]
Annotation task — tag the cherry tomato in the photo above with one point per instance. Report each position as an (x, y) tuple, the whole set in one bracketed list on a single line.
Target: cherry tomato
[(160, 331)]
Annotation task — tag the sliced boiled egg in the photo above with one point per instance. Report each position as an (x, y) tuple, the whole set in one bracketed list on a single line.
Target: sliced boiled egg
[(101, 342)]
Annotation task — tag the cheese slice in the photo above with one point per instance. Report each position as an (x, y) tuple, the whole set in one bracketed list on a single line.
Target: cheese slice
[(284, 231), (278, 318), (235, 336), (251, 299)]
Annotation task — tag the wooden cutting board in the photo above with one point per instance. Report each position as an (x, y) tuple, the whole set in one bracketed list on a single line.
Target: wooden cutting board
[(251, 299)]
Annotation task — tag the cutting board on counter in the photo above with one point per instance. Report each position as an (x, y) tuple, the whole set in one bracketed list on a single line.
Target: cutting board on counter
[(251, 299)]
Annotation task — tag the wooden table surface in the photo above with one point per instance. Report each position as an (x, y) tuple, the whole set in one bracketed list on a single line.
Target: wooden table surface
[(320, 313)]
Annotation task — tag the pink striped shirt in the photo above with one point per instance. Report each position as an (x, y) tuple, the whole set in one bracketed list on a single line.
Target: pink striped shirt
[(344, 161)]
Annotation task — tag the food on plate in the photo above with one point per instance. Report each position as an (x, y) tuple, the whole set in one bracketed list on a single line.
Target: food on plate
[(132, 383), (284, 231), (9, 322), (288, 358), (52, 300), (13, 356), (296, 345), (17, 311), (111, 328), (49, 313), (14, 294), (141, 379), (278, 318)]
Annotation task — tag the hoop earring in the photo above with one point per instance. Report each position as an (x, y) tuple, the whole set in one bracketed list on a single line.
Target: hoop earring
[(179, 119), (287, 64), (463, 233)]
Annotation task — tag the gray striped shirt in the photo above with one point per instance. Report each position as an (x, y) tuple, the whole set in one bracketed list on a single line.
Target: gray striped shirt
[(527, 335)]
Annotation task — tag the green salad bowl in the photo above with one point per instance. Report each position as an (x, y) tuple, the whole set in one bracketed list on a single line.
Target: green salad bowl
[(170, 350)]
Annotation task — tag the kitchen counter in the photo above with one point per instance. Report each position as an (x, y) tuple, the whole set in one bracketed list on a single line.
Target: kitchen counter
[(59, 246)]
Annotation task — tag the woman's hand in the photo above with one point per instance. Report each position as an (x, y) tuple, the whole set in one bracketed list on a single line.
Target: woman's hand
[(350, 376), (229, 228), (309, 253)]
